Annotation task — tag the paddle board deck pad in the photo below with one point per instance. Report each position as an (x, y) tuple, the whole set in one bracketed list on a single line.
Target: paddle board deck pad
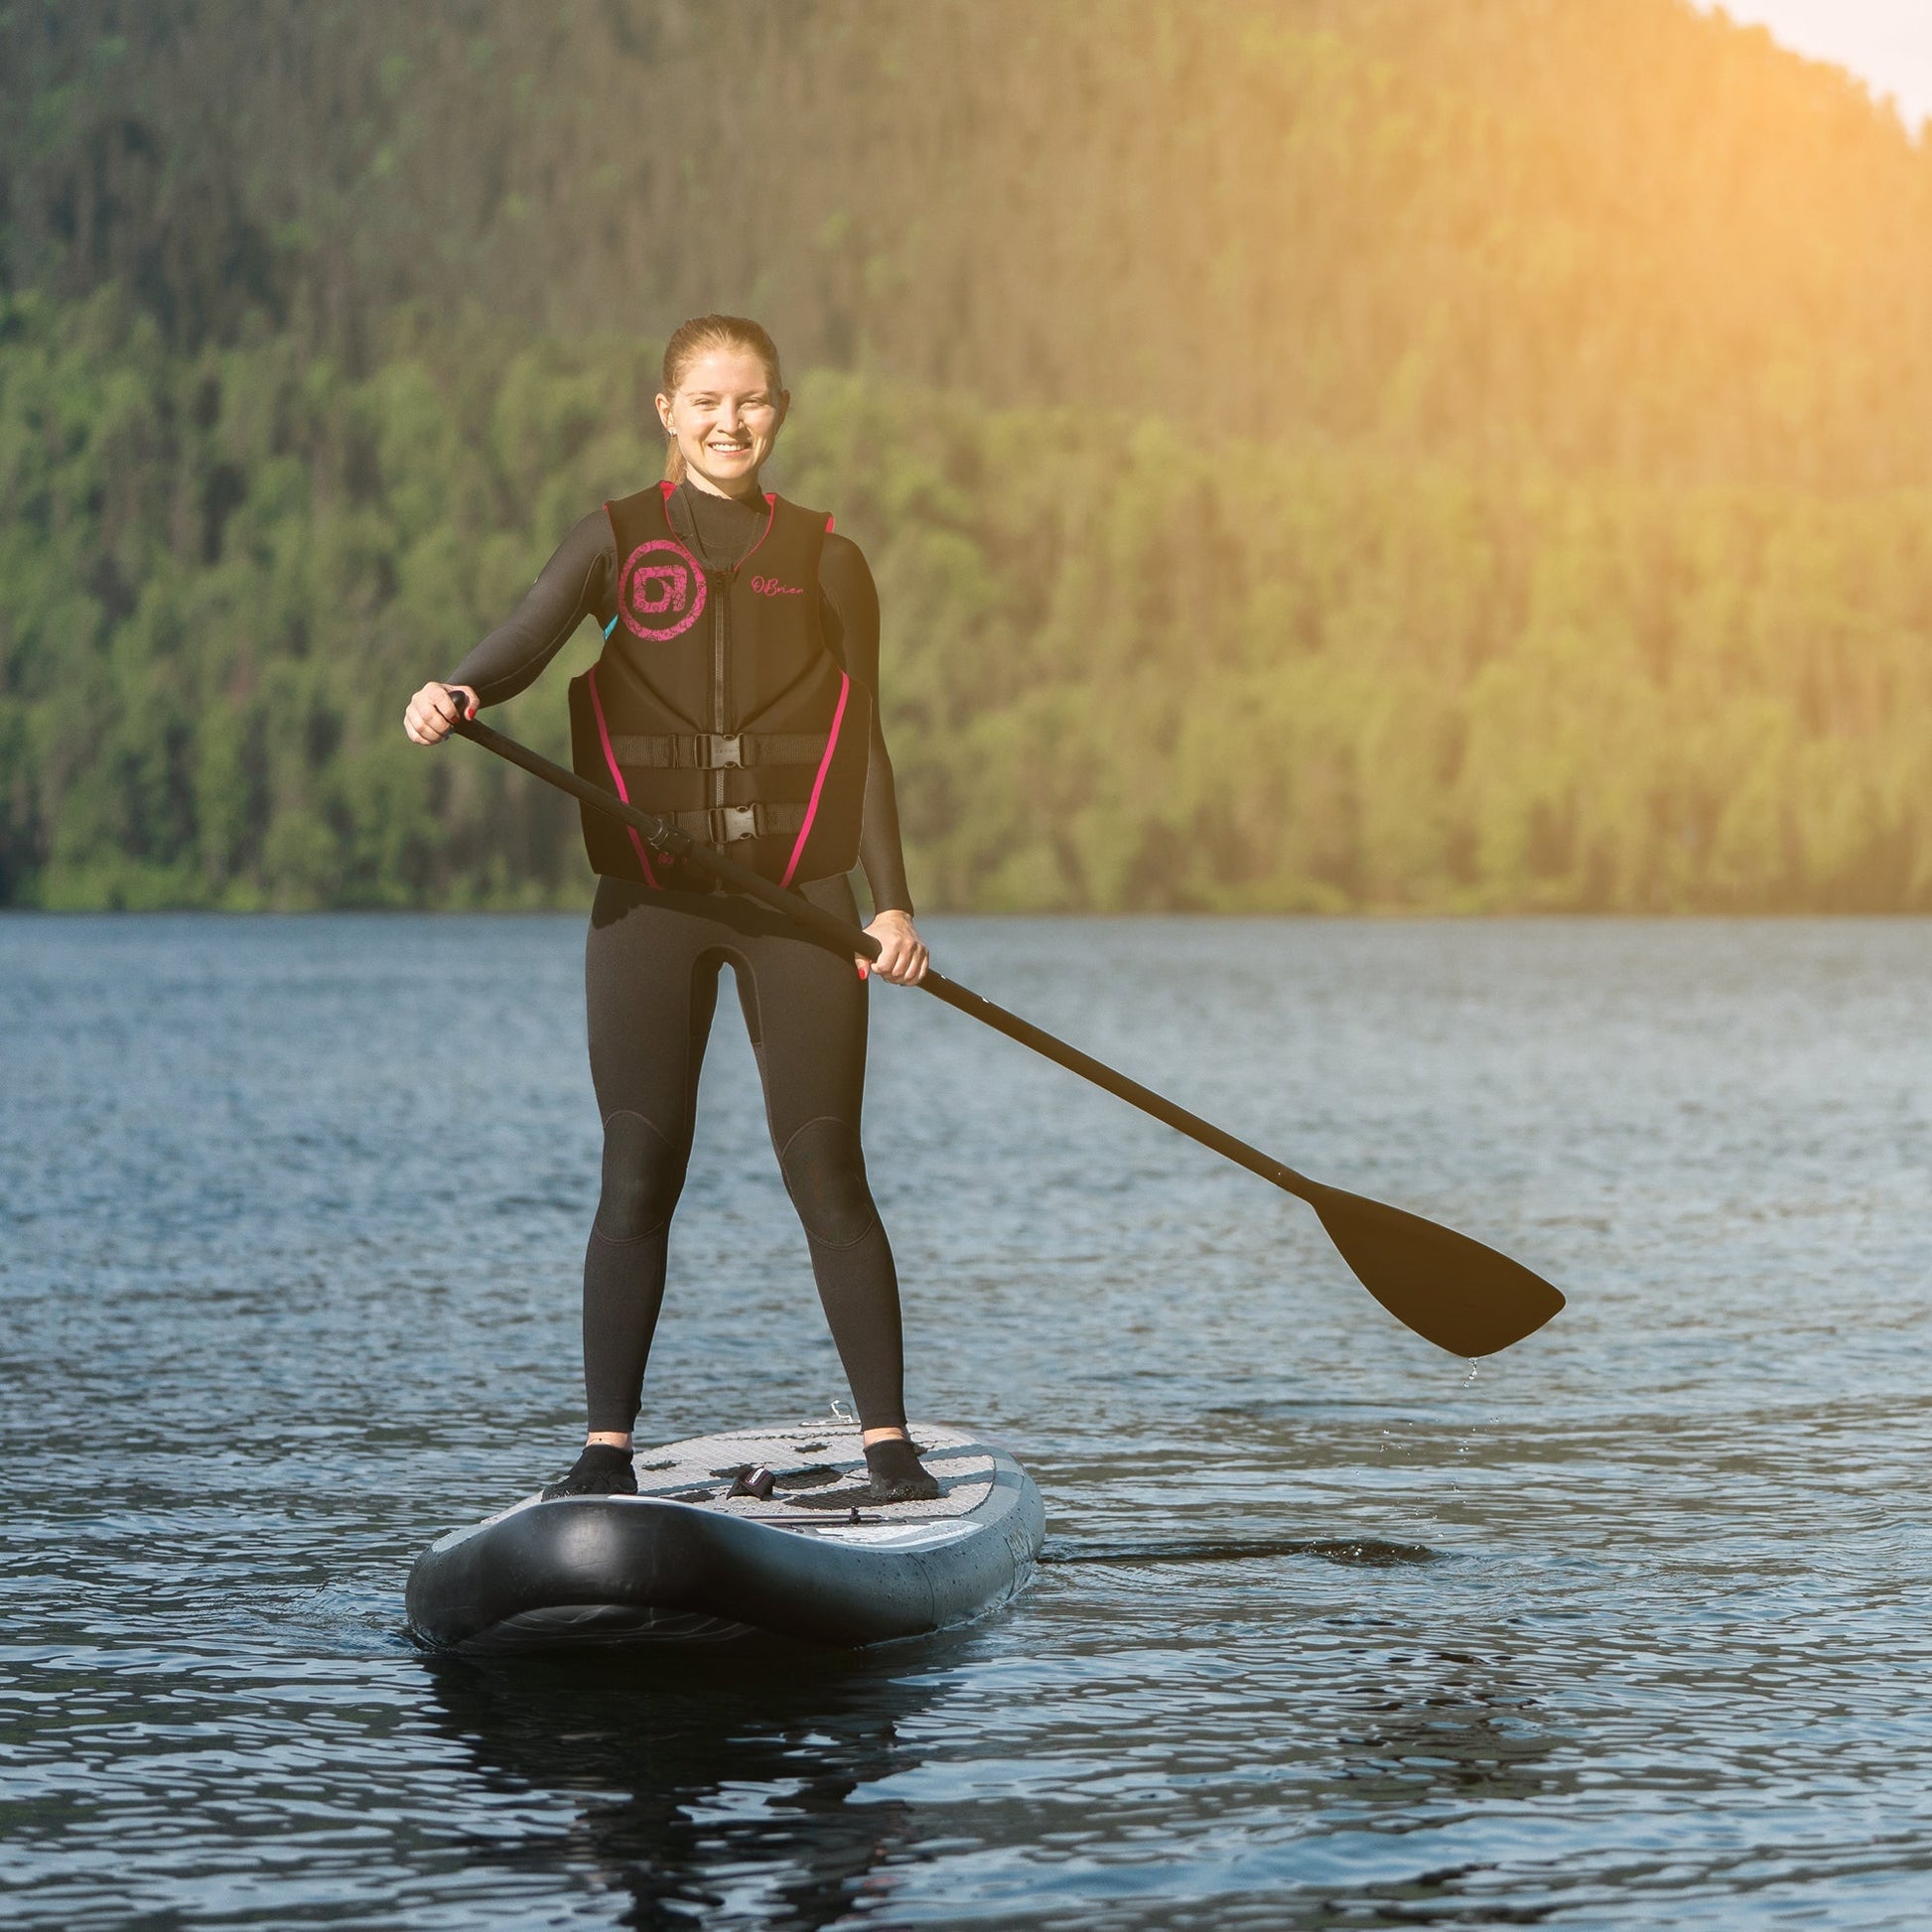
[(687, 1559)]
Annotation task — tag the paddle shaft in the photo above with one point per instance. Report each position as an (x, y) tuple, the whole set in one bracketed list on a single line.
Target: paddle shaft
[(671, 838)]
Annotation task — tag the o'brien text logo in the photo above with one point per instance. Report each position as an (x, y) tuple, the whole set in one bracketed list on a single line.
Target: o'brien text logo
[(770, 587)]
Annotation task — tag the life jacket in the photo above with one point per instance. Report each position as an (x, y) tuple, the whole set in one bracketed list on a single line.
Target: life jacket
[(717, 703)]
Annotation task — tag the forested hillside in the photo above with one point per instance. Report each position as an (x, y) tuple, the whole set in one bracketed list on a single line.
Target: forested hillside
[(1449, 454)]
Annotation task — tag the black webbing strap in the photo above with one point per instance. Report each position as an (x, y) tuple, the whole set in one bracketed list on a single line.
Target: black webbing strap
[(723, 824), (717, 752)]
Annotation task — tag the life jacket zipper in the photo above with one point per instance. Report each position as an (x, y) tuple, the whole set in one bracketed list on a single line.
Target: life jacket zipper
[(720, 680)]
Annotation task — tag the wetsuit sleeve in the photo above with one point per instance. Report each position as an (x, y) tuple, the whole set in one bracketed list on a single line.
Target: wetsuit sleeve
[(567, 589), (849, 601)]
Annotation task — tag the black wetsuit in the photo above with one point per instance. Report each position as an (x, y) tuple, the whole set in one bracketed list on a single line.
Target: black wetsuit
[(651, 966)]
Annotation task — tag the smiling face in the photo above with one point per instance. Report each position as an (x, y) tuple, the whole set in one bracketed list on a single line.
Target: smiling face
[(725, 417)]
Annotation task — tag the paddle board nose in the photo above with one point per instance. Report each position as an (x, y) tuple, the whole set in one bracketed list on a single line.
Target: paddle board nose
[(759, 1529)]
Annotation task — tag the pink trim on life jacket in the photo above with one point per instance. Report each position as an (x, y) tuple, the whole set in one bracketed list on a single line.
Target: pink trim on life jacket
[(617, 776), (829, 521), (818, 784)]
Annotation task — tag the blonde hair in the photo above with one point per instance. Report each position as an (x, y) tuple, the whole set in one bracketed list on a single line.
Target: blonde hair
[(699, 337)]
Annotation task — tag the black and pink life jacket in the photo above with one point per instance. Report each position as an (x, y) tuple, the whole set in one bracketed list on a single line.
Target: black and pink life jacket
[(716, 703)]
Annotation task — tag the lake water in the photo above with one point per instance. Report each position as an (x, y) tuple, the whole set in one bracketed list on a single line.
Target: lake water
[(1628, 1627)]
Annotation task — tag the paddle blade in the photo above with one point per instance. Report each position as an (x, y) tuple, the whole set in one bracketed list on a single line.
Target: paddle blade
[(1451, 1290)]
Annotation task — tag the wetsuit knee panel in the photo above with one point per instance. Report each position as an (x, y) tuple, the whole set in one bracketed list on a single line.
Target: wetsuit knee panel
[(643, 1175), (825, 1176)]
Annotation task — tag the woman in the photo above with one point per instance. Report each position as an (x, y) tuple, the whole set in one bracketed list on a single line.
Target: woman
[(735, 693)]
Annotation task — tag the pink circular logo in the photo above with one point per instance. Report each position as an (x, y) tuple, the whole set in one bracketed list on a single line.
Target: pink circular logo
[(660, 591)]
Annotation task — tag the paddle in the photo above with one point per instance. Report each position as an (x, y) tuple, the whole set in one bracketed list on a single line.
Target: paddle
[(1447, 1287)]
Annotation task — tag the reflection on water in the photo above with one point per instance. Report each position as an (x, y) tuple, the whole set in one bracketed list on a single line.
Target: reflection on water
[(723, 1783), (1622, 1631)]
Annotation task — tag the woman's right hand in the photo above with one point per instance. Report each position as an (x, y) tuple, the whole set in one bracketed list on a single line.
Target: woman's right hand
[(435, 707)]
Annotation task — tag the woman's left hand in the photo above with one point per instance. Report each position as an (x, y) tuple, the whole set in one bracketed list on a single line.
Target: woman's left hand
[(902, 956)]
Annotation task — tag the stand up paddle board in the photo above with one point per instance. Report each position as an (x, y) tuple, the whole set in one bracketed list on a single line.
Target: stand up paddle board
[(757, 1529)]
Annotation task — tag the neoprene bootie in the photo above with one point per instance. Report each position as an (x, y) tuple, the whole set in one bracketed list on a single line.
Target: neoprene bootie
[(602, 1469), (897, 1475)]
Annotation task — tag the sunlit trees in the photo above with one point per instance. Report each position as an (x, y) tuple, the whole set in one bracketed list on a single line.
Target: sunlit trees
[(1123, 670)]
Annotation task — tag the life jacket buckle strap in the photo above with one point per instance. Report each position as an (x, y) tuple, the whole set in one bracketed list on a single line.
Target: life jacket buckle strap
[(724, 753), (737, 822)]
